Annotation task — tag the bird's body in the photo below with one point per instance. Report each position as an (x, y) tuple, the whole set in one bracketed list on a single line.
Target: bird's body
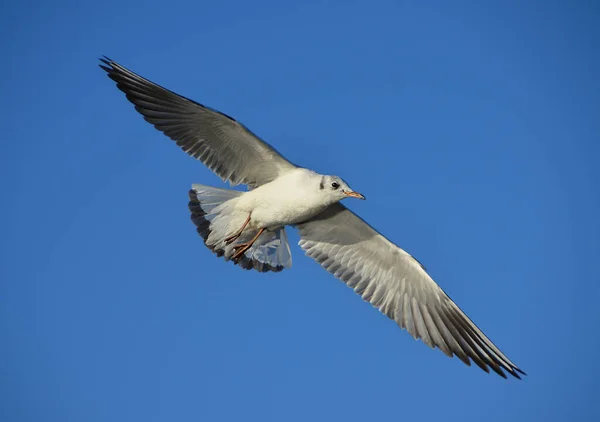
[(290, 199), (248, 228), (296, 196)]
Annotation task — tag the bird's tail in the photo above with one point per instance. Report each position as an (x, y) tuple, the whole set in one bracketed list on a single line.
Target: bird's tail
[(213, 213)]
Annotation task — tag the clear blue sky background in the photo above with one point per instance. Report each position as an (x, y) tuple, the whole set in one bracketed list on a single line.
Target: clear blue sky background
[(473, 130)]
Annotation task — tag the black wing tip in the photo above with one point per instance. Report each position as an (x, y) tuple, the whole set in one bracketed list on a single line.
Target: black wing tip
[(512, 370), (124, 77), (520, 372), (515, 373), (113, 69), (107, 62), (106, 59), (110, 67)]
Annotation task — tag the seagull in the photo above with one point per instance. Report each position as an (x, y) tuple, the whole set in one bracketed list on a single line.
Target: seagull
[(248, 228)]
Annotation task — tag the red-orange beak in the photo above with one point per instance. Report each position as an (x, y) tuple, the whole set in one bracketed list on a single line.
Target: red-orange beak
[(355, 195)]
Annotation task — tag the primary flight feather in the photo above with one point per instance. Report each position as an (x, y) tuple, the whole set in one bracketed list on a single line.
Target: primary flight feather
[(248, 228)]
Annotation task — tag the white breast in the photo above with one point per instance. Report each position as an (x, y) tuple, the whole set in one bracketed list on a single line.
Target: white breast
[(290, 199)]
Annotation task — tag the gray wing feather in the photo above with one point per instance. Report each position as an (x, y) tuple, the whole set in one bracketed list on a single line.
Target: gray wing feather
[(398, 285), (224, 145)]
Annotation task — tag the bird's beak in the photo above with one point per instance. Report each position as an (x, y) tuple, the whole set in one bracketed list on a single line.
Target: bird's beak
[(355, 195)]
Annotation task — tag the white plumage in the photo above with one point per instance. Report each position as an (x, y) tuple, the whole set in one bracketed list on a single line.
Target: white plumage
[(248, 228), (292, 198)]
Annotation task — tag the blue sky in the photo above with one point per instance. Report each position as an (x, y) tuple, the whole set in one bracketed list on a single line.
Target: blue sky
[(473, 130)]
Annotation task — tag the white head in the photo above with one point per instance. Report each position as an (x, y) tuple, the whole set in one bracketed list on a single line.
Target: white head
[(336, 189)]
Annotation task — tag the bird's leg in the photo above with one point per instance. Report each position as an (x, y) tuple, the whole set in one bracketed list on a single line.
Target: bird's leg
[(243, 247), (237, 234)]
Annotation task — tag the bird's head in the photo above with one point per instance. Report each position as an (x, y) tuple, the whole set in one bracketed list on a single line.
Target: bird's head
[(337, 189)]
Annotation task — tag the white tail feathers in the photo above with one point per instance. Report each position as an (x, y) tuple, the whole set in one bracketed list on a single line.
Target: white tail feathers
[(213, 212)]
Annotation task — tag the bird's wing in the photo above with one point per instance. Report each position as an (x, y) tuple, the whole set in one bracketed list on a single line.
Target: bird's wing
[(395, 283), (226, 146)]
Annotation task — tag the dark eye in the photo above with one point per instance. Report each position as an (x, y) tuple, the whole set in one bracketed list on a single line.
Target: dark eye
[(335, 185)]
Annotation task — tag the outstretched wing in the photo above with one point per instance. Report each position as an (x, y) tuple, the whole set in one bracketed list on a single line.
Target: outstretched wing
[(226, 146), (395, 283)]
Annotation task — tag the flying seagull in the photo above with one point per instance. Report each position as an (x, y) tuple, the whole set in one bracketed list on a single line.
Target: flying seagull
[(248, 228)]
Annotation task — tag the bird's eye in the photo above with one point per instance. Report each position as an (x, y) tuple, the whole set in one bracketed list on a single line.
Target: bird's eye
[(335, 185)]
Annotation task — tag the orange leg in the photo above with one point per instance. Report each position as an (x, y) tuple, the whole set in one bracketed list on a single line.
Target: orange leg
[(237, 234), (243, 247)]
